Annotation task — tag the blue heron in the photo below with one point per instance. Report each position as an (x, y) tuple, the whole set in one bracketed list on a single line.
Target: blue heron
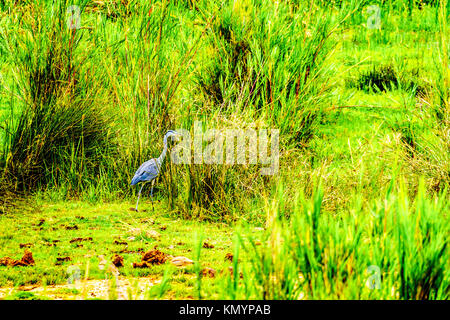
[(149, 170)]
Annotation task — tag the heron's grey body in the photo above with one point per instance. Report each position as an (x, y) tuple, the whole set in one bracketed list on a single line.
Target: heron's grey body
[(149, 170)]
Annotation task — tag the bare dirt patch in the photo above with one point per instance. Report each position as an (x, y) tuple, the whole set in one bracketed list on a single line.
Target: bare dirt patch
[(27, 260)]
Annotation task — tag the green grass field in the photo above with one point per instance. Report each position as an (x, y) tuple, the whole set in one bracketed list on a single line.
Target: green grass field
[(359, 208)]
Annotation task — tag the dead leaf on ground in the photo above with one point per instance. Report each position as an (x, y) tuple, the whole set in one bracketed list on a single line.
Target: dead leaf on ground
[(52, 244), (181, 261), (207, 245), (208, 272), (229, 257), (139, 250), (80, 239), (231, 271)]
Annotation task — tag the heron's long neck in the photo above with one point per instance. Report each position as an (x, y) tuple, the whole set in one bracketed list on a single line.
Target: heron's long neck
[(160, 159)]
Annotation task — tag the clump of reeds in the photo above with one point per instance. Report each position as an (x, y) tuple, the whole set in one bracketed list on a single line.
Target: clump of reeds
[(62, 134), (316, 255)]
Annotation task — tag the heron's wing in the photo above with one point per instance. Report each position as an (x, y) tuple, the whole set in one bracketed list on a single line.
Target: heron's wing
[(147, 171)]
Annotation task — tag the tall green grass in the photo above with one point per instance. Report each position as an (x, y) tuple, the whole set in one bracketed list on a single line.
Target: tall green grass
[(89, 106), (317, 255), (63, 132)]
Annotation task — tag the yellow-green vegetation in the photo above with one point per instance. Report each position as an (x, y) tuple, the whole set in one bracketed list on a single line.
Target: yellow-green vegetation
[(83, 233), (359, 208)]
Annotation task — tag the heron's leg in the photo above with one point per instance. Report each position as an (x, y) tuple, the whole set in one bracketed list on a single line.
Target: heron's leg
[(139, 195), (151, 193)]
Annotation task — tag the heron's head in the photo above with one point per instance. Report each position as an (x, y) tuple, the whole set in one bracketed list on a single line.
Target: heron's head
[(171, 133)]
